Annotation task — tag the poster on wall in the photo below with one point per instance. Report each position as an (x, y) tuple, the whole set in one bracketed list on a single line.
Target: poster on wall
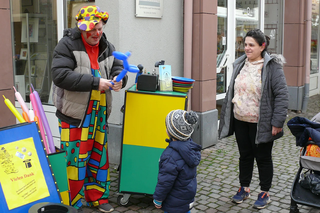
[(149, 8), (25, 173)]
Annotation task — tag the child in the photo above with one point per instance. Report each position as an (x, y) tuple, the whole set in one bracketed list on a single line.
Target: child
[(177, 183)]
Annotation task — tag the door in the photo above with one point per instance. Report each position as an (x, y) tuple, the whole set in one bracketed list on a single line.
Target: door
[(235, 18)]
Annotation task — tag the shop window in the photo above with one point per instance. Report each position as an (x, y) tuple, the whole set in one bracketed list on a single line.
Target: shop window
[(221, 45), (273, 25), (221, 31), (247, 18), (73, 9), (34, 24)]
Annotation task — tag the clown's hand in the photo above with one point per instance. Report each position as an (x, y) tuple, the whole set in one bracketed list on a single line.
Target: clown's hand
[(116, 85)]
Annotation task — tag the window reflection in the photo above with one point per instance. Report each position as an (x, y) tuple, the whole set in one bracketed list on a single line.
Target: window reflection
[(273, 25)]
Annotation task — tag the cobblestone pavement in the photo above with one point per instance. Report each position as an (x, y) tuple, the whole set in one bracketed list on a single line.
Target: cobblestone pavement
[(218, 177)]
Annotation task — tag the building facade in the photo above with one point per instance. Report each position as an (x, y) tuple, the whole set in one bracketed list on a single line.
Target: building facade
[(199, 38)]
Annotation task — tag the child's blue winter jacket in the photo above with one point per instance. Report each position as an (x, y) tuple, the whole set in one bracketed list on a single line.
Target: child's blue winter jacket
[(177, 183)]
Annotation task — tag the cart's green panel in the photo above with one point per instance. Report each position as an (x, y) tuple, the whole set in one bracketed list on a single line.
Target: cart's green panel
[(140, 168)]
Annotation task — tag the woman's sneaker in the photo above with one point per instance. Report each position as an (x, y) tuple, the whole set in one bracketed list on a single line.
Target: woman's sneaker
[(263, 200), (241, 195)]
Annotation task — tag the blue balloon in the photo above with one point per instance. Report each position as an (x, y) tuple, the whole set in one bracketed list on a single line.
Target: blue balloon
[(133, 68), (121, 75), (126, 66), (120, 55)]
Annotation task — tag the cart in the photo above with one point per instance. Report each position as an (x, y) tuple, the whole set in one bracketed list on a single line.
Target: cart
[(143, 139)]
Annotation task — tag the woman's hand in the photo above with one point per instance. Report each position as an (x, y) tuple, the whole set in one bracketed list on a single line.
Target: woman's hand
[(275, 130)]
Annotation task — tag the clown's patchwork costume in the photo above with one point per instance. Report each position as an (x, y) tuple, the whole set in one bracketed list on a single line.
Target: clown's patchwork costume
[(82, 109)]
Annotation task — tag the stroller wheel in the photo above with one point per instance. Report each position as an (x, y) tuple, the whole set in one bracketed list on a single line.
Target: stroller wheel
[(294, 207)]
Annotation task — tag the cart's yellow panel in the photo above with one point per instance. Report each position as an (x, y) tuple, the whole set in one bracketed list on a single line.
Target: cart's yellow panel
[(145, 115)]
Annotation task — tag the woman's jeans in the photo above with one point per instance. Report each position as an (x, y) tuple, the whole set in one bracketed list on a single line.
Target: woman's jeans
[(245, 133)]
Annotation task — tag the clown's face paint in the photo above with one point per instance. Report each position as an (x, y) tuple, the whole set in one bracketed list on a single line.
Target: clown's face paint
[(93, 36)]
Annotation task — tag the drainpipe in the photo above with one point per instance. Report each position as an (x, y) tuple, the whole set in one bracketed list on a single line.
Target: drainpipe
[(308, 18), (187, 41), (187, 37)]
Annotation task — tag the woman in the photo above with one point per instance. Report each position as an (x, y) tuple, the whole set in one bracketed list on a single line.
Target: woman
[(255, 109)]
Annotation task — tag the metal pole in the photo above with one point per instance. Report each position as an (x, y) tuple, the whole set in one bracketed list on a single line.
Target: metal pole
[(307, 23)]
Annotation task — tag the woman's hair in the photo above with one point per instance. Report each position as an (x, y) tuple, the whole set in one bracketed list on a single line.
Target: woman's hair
[(260, 38)]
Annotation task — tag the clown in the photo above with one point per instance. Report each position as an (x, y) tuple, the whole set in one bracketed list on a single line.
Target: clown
[(84, 72)]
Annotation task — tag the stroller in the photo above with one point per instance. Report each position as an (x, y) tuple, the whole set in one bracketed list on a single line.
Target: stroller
[(306, 186)]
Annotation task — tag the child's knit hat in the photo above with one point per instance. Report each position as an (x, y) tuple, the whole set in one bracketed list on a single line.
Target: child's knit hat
[(180, 124), (89, 16)]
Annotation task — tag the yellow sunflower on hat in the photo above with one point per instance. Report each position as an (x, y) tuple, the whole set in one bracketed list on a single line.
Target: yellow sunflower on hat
[(89, 16)]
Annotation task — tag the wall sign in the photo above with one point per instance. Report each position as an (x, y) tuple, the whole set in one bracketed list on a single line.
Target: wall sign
[(149, 8)]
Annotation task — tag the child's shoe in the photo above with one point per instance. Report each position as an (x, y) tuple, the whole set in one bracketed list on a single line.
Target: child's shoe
[(263, 200), (241, 195)]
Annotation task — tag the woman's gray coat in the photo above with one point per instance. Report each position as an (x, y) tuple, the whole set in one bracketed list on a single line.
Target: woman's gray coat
[(273, 104)]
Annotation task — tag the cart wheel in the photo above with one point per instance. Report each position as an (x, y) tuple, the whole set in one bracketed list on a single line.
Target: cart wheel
[(122, 201)]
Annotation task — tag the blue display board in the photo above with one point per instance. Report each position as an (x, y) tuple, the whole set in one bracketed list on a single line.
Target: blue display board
[(26, 177)]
